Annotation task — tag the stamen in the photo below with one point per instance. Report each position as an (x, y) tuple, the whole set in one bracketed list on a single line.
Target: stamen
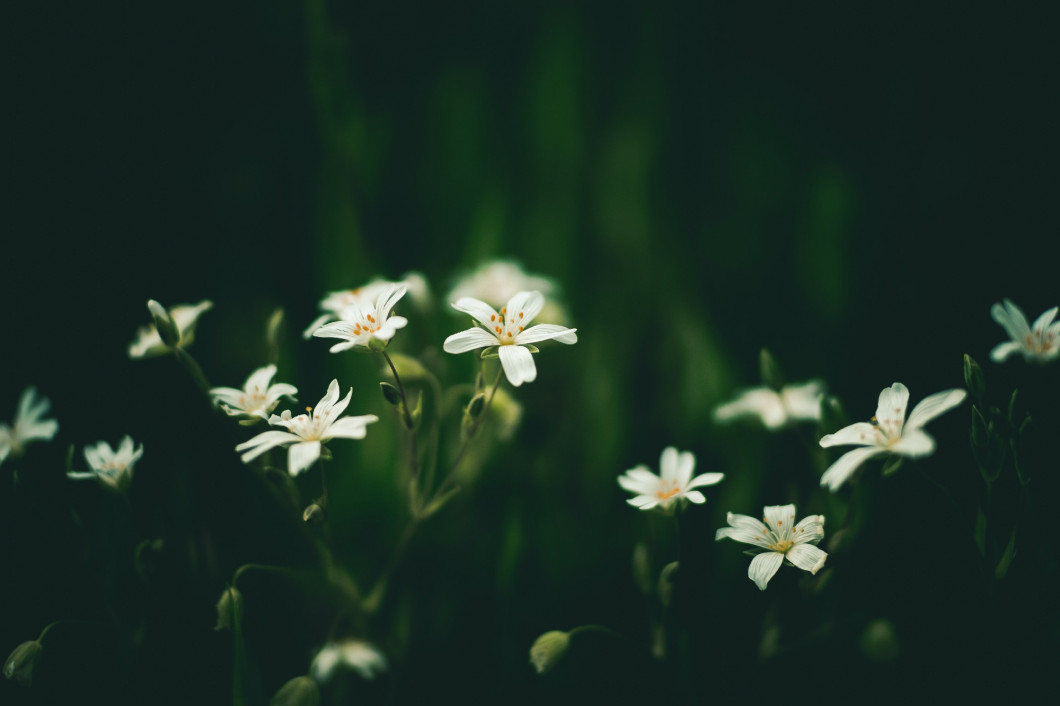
[(371, 318), (520, 314)]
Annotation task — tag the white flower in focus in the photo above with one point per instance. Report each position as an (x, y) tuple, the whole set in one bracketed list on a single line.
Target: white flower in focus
[(889, 431), (361, 656), (498, 281), (257, 400), (778, 538), (335, 304), (307, 432), (674, 482), (363, 322), (112, 468), (508, 330), (1039, 343), (775, 409), (148, 343), (28, 426)]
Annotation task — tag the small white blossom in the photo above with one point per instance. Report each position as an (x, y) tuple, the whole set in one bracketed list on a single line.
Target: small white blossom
[(508, 330), (343, 301), (28, 426), (149, 343), (778, 538), (775, 409), (498, 281), (307, 432), (257, 400), (674, 482), (361, 656), (1038, 343), (365, 321), (110, 467), (889, 431)]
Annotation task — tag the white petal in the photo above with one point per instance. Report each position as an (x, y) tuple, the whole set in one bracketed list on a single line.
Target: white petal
[(763, 567), (518, 364), (351, 427), (860, 434), (547, 332), (1041, 324), (527, 303), (668, 461), (301, 456), (695, 496), (388, 298), (744, 529), (317, 323), (1011, 319), (807, 557), (934, 405), (846, 464), (803, 401), (481, 311), (780, 519), (809, 530), (1004, 350), (705, 479), (260, 378), (761, 402), (644, 502), (227, 395), (469, 340), (686, 466), (914, 442), (280, 389), (263, 442), (890, 411)]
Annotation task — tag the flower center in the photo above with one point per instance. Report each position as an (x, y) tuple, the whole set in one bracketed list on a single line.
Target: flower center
[(664, 494), (366, 326), (506, 328), (782, 545)]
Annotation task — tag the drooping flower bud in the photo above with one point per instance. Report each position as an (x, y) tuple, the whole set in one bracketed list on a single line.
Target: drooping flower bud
[(548, 650), (228, 607), (300, 691), (164, 324), (20, 664)]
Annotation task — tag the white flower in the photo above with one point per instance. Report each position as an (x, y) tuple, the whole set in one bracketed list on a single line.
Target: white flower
[(307, 432), (498, 281), (674, 482), (336, 304), (361, 656), (1039, 343), (28, 424), (507, 330), (889, 432), (257, 399), (775, 409), (365, 321), (148, 343), (778, 538), (113, 468)]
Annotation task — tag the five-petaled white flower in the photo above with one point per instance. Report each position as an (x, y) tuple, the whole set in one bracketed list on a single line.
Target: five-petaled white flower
[(336, 303), (367, 320), (775, 409), (507, 329), (890, 432), (112, 468), (361, 656), (307, 432), (149, 343), (257, 400), (498, 281), (674, 482), (28, 424), (1040, 343), (778, 538)]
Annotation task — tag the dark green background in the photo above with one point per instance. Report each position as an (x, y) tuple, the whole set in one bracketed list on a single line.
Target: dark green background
[(852, 188)]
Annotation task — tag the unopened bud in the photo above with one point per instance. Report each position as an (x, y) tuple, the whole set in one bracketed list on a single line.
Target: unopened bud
[(974, 379), (19, 666), (548, 650), (390, 393), (300, 691), (167, 329), (879, 643), (642, 567), (666, 583), (228, 608), (769, 370), (476, 405), (313, 513)]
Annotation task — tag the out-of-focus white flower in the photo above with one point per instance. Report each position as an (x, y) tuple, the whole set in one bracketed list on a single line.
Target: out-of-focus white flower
[(307, 432), (110, 467), (889, 431), (29, 425), (257, 400), (498, 281), (778, 538), (364, 322), (148, 341), (775, 409), (349, 301), (507, 329), (674, 482), (361, 656), (1039, 343)]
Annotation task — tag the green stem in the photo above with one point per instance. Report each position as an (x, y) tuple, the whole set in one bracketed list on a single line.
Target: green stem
[(449, 479), (193, 369), (414, 466)]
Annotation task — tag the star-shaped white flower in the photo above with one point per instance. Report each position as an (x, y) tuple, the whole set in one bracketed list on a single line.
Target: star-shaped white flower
[(775, 409), (110, 467), (1039, 343), (778, 538), (365, 321), (361, 656), (890, 432), (149, 343), (257, 400), (29, 425), (336, 303), (507, 329), (674, 482), (307, 432)]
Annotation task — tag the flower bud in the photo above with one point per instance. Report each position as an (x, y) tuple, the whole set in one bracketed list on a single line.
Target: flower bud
[(300, 691), (476, 405), (666, 583), (228, 608), (642, 567), (548, 650), (879, 642), (19, 666), (390, 393), (164, 324), (313, 513), (770, 371), (974, 379)]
